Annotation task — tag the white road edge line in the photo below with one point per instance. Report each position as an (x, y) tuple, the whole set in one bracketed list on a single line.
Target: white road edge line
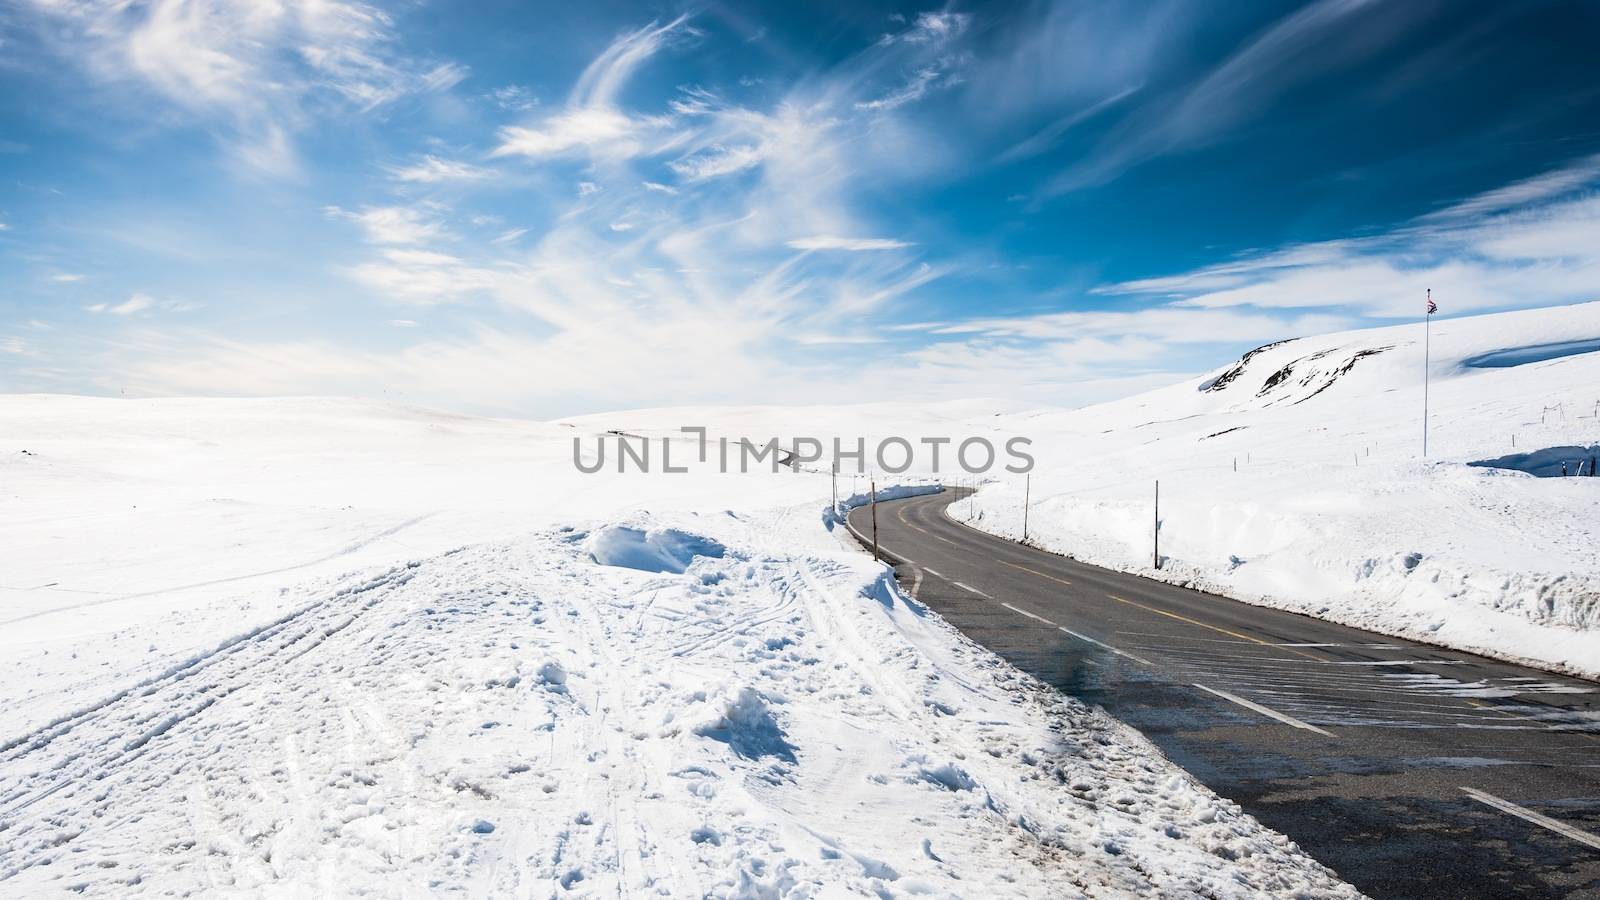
[(867, 543), (1081, 637), (1029, 614), (932, 571), (916, 583), (1264, 710), (1084, 637), (1561, 828), (971, 589)]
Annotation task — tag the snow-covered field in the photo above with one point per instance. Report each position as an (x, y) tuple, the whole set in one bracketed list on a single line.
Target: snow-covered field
[(1295, 479), (298, 647)]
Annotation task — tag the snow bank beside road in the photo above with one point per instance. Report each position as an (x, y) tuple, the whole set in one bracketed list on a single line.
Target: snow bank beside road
[(524, 718), (1293, 478)]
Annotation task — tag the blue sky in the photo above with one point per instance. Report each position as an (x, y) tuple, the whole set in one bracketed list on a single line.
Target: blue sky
[(544, 209)]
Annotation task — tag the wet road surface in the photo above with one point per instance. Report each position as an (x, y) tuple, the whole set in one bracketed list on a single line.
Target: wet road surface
[(1411, 770)]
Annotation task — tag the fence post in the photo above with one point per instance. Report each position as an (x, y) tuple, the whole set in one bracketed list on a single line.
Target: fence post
[(1157, 531), (1027, 490), (875, 520)]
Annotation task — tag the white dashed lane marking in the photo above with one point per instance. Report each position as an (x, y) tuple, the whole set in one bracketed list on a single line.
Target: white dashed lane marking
[(1264, 710), (1561, 828), (972, 590), (1082, 637)]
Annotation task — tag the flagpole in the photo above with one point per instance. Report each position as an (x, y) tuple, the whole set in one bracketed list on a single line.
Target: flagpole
[(1427, 336)]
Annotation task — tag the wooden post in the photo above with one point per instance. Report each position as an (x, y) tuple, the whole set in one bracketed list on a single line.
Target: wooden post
[(1027, 490), (1157, 532), (875, 520), (835, 487)]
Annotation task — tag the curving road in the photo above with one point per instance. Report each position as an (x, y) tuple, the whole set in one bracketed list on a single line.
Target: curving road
[(1410, 770)]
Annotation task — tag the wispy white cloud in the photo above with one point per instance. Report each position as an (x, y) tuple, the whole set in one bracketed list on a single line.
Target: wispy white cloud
[(392, 224), (598, 130), (930, 27), (924, 80), (423, 277), (256, 72), (1321, 37), (1046, 137), (717, 161), (833, 242), (1573, 176), (431, 169), (136, 303), (1164, 324), (513, 97), (591, 122), (67, 278), (1527, 244)]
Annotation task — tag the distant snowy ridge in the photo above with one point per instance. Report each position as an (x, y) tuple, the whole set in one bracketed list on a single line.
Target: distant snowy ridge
[(1294, 478)]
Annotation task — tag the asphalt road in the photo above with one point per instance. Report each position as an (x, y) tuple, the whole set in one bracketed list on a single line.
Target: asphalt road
[(1410, 770)]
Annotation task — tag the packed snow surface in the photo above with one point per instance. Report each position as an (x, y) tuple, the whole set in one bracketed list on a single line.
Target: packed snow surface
[(307, 647), (1295, 478)]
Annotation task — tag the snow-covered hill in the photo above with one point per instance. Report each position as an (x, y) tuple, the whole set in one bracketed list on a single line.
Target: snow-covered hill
[(1294, 477), (244, 652)]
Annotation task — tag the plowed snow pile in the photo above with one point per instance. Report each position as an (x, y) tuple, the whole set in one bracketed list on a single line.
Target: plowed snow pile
[(242, 654), (1294, 478)]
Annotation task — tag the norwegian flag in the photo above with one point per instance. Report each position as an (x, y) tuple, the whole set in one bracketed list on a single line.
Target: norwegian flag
[(1432, 306)]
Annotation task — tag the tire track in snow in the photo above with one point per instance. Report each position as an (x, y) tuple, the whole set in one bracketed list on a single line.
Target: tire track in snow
[(132, 731)]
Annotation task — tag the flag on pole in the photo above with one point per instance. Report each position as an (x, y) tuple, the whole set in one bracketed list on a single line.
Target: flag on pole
[(1432, 306)]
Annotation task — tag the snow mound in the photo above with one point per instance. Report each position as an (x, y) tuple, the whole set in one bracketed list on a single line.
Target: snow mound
[(747, 725), (654, 550)]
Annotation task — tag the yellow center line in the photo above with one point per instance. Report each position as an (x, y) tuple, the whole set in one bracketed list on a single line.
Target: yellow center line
[(1218, 629), (1033, 571), (901, 515), (1490, 706)]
